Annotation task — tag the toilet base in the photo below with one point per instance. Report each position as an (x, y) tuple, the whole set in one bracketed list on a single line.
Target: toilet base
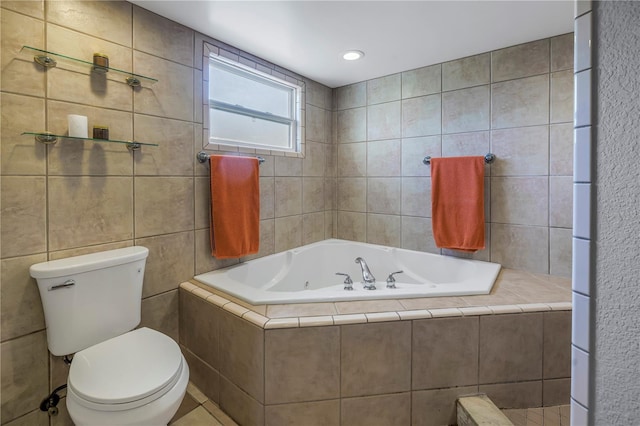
[(156, 413)]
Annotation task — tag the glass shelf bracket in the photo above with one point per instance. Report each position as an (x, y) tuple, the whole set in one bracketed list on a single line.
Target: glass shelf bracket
[(48, 138), (50, 59)]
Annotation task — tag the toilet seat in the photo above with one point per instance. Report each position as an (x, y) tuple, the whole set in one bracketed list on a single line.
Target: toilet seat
[(126, 371)]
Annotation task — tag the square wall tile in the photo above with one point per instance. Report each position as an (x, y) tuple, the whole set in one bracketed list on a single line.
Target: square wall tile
[(511, 348), (515, 395), (560, 252), (21, 155), (466, 72), (523, 102), (561, 149), (557, 345), (413, 152), (416, 196), (556, 392), (315, 124), (242, 355), (453, 361), (562, 52), (20, 303), (352, 226), (312, 194), (242, 407), (466, 110), (24, 221), (288, 196), (313, 227), (170, 262), (352, 194), (383, 89), (519, 61), (465, 144), (352, 159), (351, 96), (384, 229), (560, 201), (521, 151), (437, 407), (417, 234), (173, 156), (162, 37), (383, 195), (520, 247), (352, 125), (296, 358), (520, 200), (421, 81), (25, 377), (200, 327), (160, 313), (392, 409), (421, 116), (365, 360), (107, 20), (319, 413), (383, 121), (288, 233), (203, 376), (562, 96), (163, 205), (383, 158)]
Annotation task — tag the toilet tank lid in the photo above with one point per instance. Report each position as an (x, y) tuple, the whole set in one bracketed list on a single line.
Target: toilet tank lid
[(88, 262)]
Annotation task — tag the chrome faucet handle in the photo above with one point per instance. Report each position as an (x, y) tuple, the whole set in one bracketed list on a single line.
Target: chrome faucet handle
[(348, 282), (391, 282)]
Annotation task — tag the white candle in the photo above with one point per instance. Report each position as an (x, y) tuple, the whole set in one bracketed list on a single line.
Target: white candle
[(78, 126)]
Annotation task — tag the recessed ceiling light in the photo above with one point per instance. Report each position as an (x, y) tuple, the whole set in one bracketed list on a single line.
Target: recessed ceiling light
[(352, 55)]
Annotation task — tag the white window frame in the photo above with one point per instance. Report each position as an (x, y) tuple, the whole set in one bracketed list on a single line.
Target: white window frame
[(294, 142)]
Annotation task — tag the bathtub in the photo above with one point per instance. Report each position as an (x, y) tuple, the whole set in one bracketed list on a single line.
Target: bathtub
[(308, 274)]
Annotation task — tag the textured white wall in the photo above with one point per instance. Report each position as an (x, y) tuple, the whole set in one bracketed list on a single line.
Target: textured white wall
[(616, 305)]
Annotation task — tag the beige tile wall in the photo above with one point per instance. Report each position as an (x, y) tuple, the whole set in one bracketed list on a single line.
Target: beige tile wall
[(73, 198), (515, 102)]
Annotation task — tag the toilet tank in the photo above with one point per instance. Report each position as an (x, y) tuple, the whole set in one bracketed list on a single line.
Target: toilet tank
[(91, 298)]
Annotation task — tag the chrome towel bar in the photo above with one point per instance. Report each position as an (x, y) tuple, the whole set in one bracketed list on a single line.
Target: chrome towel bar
[(203, 157), (488, 159)]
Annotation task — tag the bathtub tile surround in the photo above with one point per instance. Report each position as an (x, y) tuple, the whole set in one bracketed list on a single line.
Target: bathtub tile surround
[(515, 102), (511, 344), (74, 198)]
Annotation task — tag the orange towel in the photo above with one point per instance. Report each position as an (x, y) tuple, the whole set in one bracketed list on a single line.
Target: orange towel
[(457, 202), (235, 206)]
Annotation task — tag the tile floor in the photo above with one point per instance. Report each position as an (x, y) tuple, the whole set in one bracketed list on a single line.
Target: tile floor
[(197, 410)]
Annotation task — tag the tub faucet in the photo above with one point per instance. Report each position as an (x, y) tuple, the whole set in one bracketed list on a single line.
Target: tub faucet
[(368, 279)]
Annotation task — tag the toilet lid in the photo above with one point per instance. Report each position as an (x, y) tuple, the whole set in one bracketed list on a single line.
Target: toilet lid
[(126, 368)]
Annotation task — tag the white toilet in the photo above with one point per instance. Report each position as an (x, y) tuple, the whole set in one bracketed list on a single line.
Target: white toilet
[(118, 376)]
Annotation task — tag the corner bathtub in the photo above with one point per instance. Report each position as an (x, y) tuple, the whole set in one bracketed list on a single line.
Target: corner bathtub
[(308, 274)]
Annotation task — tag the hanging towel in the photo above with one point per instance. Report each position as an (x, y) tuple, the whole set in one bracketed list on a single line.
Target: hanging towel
[(235, 206), (457, 202)]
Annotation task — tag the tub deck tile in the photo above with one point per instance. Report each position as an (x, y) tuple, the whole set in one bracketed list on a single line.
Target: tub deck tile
[(235, 309), (217, 300), (534, 307), (368, 306), (301, 310), (475, 311), (188, 286), (317, 321), (505, 309), (382, 316), (560, 306), (349, 319), (255, 318), (415, 314), (446, 312), (282, 323)]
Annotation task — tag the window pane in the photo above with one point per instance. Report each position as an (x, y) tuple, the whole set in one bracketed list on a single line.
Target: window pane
[(248, 131), (227, 85)]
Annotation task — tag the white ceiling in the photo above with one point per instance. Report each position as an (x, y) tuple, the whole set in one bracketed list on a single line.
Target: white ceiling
[(309, 37)]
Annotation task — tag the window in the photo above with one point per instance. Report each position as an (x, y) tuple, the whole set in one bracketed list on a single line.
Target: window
[(250, 109)]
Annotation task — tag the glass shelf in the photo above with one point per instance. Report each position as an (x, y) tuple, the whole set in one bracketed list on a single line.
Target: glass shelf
[(49, 59), (49, 138)]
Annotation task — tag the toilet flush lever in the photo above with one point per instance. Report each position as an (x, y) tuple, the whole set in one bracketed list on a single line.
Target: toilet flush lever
[(67, 283)]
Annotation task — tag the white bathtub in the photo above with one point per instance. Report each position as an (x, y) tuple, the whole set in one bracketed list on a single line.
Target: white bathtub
[(308, 274)]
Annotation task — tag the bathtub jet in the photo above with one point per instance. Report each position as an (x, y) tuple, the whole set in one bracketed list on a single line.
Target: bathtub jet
[(308, 274)]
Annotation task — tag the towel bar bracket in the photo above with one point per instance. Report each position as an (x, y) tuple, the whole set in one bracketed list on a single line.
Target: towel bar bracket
[(204, 157), (488, 159)]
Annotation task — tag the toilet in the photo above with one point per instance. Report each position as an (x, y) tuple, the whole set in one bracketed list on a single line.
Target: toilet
[(118, 376)]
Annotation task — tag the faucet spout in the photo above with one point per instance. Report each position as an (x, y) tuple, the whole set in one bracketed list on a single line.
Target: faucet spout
[(367, 277)]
